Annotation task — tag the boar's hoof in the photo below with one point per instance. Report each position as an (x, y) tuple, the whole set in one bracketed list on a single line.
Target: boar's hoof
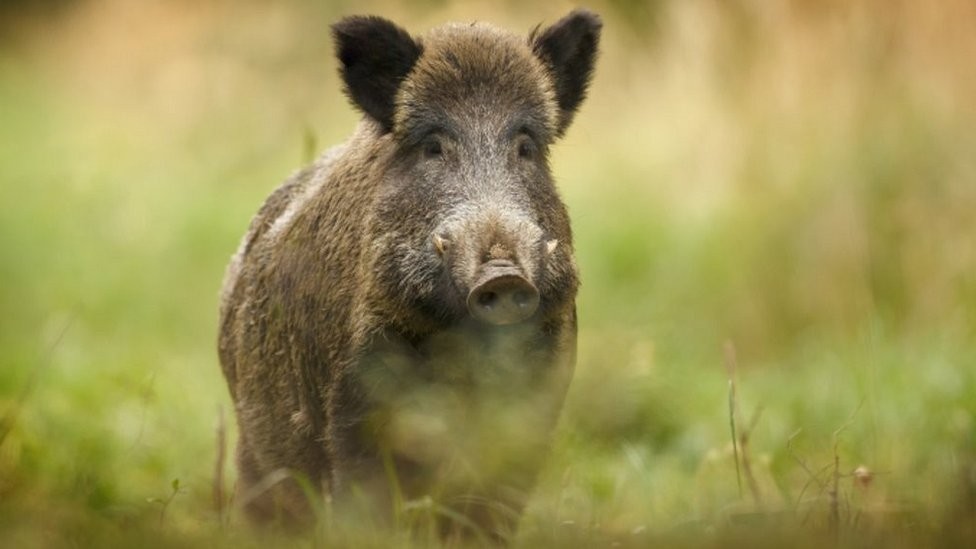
[(502, 295)]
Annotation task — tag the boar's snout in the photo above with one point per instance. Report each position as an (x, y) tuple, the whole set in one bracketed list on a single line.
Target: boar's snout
[(502, 295)]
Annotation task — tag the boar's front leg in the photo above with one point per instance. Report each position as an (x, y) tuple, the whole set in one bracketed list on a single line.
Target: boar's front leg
[(368, 478)]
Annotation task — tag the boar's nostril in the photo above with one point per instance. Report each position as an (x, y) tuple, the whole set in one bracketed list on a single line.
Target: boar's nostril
[(503, 299), (522, 299), (487, 299)]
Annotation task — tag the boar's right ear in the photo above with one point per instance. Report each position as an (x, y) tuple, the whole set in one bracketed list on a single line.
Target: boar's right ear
[(375, 55), (568, 48)]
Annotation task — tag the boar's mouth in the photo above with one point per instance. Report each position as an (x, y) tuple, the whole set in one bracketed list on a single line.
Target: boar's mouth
[(502, 295)]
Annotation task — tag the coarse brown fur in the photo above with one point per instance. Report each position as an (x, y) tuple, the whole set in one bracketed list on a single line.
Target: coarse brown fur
[(345, 335)]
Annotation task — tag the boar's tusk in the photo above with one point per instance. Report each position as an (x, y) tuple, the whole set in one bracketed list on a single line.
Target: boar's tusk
[(440, 244), (551, 246)]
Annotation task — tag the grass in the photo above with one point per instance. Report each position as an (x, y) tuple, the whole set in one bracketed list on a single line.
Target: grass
[(797, 182)]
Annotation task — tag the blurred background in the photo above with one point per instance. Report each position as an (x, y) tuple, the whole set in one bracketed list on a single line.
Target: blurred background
[(784, 190)]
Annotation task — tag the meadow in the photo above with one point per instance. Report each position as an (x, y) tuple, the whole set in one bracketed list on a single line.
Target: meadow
[(775, 196)]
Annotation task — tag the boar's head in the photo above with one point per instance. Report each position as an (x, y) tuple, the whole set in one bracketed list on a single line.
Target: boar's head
[(468, 225)]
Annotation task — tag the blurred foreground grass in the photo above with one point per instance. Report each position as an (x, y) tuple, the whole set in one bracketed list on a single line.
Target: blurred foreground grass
[(794, 179)]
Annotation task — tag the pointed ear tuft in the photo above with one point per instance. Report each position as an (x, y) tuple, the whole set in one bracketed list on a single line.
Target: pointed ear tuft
[(569, 49), (375, 56)]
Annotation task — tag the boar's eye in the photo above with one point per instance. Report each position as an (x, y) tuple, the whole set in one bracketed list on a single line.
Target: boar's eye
[(526, 147), (432, 147)]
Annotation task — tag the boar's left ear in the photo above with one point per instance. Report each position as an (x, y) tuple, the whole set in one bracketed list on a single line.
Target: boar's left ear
[(569, 50), (375, 55)]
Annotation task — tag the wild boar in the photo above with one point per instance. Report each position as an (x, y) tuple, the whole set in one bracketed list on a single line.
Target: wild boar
[(399, 320)]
